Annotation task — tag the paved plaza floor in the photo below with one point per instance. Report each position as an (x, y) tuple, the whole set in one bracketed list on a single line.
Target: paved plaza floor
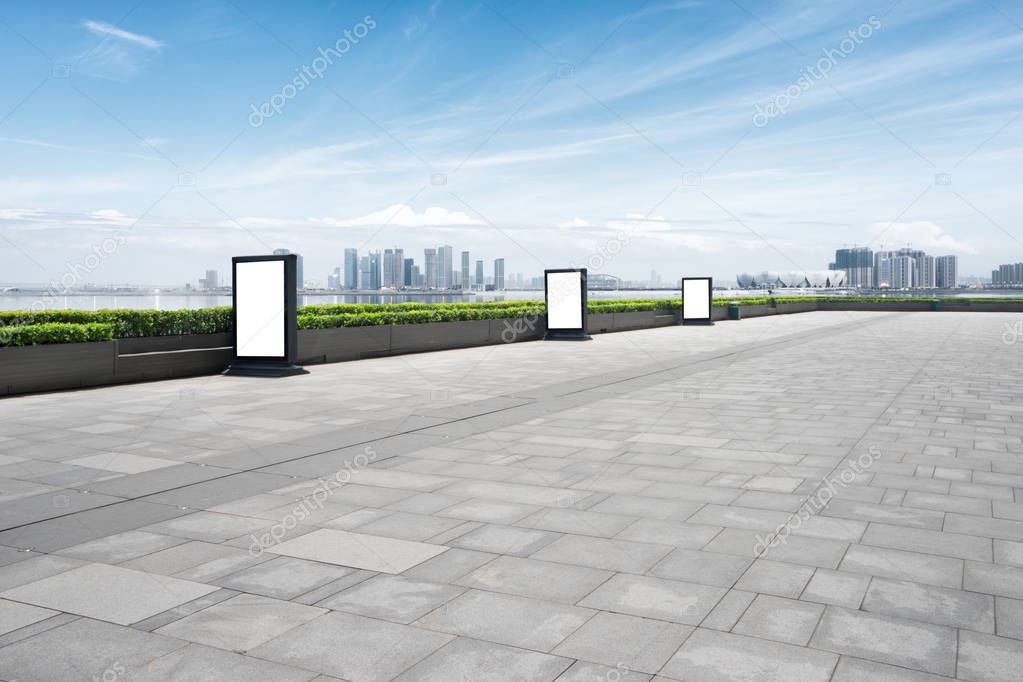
[(822, 496)]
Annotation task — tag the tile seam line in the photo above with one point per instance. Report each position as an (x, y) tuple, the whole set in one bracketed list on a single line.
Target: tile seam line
[(803, 338)]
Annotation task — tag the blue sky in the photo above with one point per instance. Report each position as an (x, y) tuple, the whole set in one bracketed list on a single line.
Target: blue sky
[(619, 134)]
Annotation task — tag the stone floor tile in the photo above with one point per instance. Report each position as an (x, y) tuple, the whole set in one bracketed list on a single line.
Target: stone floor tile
[(197, 663), (1004, 581), (83, 649), (241, 623), (659, 598), (406, 526), (780, 620), (35, 568), (358, 550), (987, 658), (930, 648), (775, 577), (616, 640), (858, 670), (391, 597), (728, 611), (489, 511), (583, 671), (471, 660), (14, 615), (711, 656), (536, 579), (836, 587), (115, 549), (603, 553), (901, 565), (709, 568), (352, 647), (504, 540), (110, 593), (208, 526), (283, 577), (449, 566), (930, 604), (929, 541), (660, 532), (507, 619), (577, 522)]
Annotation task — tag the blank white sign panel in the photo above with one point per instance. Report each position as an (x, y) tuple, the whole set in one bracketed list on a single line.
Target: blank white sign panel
[(259, 301), (564, 300), (696, 299)]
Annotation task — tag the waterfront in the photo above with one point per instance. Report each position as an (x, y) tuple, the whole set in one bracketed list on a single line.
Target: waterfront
[(179, 300)]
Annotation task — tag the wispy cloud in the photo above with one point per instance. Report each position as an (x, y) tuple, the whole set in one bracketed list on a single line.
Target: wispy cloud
[(110, 31)]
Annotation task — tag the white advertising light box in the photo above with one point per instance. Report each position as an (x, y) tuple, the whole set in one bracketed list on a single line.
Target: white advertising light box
[(565, 294), (265, 316), (696, 300)]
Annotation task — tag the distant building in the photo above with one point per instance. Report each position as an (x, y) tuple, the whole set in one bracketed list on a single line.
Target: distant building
[(210, 281), (1008, 275), (480, 281), (465, 270), (858, 264), (407, 277), (946, 272), (445, 267), (351, 268), (375, 270), (903, 272), (299, 274), (430, 268), (769, 279), (334, 279), (392, 273), (498, 274), (365, 273)]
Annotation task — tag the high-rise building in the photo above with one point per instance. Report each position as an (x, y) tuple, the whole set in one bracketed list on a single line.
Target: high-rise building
[(430, 265), (407, 279), (465, 270), (925, 275), (481, 281), (334, 279), (211, 280), (445, 267), (946, 272), (498, 274), (393, 268), (375, 270), (299, 274), (1009, 275), (903, 272), (365, 274), (351, 267), (858, 263)]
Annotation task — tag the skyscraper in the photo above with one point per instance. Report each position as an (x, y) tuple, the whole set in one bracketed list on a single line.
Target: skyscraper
[(334, 279), (903, 272), (392, 274), (498, 274), (211, 281), (925, 275), (481, 281), (299, 275), (365, 273), (407, 278), (946, 272), (430, 264), (858, 264), (351, 268), (445, 267), (465, 270), (375, 268)]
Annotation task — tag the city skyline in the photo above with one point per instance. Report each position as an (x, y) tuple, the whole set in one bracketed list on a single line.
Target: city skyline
[(417, 135)]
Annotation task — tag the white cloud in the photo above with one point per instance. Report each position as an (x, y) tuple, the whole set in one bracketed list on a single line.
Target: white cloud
[(109, 30), (574, 222), (921, 234), (403, 215)]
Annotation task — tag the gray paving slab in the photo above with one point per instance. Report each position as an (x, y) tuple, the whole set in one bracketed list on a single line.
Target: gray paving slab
[(468, 660)]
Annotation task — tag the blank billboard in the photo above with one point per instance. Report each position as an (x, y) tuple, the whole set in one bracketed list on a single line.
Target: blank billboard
[(696, 293), (259, 309), (565, 300)]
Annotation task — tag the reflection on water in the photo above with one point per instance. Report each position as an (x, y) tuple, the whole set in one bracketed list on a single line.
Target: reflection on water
[(45, 301)]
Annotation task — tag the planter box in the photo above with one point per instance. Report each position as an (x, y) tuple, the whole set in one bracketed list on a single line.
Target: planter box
[(152, 344), (757, 310), (27, 369), (599, 323), (417, 338), (718, 313), (171, 364), (786, 308), (907, 306), (316, 346)]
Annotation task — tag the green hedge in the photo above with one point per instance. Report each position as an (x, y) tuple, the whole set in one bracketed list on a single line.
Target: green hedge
[(55, 332), (131, 323)]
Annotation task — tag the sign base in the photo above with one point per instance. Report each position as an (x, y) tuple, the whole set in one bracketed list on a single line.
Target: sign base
[(566, 336), (246, 368), (702, 323)]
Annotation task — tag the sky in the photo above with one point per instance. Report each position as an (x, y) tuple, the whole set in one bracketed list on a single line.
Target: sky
[(145, 142)]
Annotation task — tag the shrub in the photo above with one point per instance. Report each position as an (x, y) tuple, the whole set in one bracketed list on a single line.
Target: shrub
[(55, 332)]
